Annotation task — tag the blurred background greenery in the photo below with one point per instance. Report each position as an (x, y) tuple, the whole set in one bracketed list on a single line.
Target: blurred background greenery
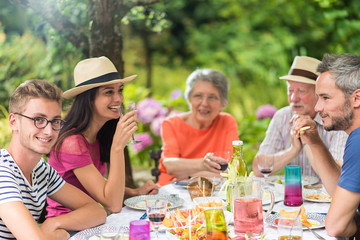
[(252, 42)]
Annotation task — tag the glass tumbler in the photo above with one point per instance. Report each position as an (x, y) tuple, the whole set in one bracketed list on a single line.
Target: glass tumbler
[(293, 186), (289, 228), (139, 230)]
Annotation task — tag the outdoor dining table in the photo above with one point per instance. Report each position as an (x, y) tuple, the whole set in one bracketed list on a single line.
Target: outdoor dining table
[(128, 214)]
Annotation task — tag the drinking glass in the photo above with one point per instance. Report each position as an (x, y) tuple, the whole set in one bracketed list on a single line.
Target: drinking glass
[(139, 230), (293, 186), (265, 165), (156, 210), (131, 107), (223, 158), (289, 228), (215, 224)]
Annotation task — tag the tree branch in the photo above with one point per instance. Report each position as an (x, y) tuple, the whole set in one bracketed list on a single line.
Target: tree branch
[(50, 13), (124, 8)]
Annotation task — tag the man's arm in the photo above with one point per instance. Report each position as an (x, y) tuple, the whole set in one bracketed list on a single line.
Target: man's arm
[(22, 224), (86, 212), (318, 154), (341, 218)]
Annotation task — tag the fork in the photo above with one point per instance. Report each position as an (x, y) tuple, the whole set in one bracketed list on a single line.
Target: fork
[(315, 233)]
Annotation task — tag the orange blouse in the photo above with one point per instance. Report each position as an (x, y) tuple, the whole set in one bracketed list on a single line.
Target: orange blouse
[(184, 141)]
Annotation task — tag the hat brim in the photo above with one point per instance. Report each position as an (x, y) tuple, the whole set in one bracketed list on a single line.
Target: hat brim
[(71, 93), (298, 79)]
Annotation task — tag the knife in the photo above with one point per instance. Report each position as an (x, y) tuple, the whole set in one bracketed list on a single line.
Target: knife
[(143, 216)]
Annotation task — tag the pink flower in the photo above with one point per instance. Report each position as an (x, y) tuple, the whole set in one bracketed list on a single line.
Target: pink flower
[(174, 113), (155, 125), (175, 94), (145, 139), (265, 111), (148, 109)]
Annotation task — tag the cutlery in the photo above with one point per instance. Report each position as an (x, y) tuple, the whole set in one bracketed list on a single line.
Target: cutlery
[(143, 216), (314, 233)]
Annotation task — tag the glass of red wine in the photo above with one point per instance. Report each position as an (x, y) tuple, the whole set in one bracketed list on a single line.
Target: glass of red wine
[(156, 211), (223, 158), (265, 164)]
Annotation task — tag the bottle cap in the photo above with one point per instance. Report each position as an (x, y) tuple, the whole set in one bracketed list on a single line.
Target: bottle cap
[(237, 142)]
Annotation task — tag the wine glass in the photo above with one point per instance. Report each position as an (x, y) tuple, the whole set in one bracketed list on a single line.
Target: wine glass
[(265, 164), (223, 158), (131, 107), (156, 210)]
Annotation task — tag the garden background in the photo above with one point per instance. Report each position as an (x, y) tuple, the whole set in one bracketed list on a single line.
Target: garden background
[(252, 42)]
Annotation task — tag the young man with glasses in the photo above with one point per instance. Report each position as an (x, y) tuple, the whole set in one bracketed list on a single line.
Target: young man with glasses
[(26, 179)]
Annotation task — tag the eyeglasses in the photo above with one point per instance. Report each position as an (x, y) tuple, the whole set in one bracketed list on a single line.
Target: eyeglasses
[(199, 98), (41, 122)]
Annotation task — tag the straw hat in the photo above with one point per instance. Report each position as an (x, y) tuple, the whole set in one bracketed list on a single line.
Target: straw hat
[(303, 70), (94, 72)]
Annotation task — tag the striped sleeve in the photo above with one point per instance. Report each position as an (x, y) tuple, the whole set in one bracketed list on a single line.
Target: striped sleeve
[(9, 187)]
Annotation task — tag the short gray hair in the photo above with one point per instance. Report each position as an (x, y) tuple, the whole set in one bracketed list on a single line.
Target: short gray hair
[(217, 79), (345, 69)]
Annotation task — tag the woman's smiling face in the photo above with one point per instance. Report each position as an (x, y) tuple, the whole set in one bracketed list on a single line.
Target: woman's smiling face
[(205, 103)]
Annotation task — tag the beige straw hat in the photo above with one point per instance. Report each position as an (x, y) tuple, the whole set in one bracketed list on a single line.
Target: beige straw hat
[(303, 70), (94, 72)]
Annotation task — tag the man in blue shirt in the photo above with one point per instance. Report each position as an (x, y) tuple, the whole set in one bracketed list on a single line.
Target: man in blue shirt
[(338, 91)]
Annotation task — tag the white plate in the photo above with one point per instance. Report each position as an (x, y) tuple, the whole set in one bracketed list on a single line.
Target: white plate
[(138, 202), (313, 191), (306, 180), (94, 233), (320, 218)]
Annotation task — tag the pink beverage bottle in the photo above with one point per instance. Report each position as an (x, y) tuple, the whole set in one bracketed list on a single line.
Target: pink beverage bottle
[(248, 216), (293, 186)]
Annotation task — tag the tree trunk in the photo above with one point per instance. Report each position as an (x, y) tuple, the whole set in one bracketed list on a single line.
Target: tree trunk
[(110, 44)]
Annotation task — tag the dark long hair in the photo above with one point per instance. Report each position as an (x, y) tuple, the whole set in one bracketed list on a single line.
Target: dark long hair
[(78, 120)]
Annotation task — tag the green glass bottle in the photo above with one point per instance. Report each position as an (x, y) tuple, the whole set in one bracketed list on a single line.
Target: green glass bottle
[(237, 162), (237, 159)]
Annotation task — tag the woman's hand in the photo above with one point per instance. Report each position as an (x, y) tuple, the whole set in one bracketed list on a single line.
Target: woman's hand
[(210, 163), (126, 126)]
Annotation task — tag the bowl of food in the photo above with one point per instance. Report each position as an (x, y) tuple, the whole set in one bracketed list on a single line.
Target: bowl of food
[(209, 202), (200, 187)]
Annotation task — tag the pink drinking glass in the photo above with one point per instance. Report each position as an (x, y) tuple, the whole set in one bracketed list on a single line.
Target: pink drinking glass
[(293, 186)]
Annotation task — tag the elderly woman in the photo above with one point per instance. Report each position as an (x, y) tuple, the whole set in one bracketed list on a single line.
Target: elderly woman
[(189, 138)]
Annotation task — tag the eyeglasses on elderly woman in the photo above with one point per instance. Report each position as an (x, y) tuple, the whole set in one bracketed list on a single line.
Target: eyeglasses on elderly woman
[(200, 97)]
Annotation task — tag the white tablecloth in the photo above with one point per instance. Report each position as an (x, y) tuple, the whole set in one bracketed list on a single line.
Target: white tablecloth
[(128, 214)]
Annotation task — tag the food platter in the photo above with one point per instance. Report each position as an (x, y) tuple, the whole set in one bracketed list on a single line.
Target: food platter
[(94, 233), (319, 196), (306, 180), (139, 202), (317, 220)]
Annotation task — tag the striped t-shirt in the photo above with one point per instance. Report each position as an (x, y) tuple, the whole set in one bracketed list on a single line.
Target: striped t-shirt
[(278, 138), (15, 187)]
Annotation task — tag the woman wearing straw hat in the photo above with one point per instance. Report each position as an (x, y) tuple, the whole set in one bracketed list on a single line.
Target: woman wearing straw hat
[(95, 137)]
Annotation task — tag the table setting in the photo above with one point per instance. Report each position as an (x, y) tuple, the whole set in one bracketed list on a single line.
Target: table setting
[(178, 199)]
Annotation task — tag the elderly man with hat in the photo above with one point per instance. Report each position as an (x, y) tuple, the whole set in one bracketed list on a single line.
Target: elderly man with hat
[(286, 148)]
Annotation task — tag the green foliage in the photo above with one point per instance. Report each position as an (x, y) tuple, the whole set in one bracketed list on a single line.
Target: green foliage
[(4, 128), (252, 132)]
